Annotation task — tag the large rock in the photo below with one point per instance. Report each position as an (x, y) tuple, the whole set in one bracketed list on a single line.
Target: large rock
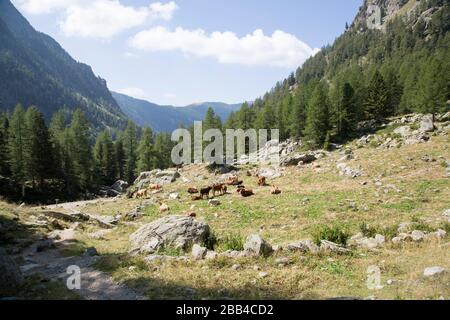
[(198, 252), (433, 271), (345, 170), (10, 274), (303, 246), (157, 176), (298, 158), (178, 231), (257, 246), (269, 173), (427, 125), (120, 186)]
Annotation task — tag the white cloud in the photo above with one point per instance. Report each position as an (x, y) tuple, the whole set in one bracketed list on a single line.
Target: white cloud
[(134, 92), (98, 18), (281, 49)]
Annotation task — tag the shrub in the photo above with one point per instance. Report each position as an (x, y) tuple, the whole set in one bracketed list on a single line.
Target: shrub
[(367, 230), (231, 242), (370, 232), (446, 227), (334, 234), (418, 224)]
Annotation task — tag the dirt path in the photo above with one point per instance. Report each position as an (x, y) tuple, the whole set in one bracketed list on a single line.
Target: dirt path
[(77, 205), (95, 284)]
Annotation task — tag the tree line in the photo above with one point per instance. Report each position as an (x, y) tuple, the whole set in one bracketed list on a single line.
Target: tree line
[(66, 160)]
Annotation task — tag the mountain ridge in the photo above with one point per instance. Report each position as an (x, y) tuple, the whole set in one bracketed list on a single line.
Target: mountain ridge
[(166, 117)]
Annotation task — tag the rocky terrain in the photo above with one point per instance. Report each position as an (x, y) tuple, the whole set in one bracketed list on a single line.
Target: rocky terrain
[(378, 205)]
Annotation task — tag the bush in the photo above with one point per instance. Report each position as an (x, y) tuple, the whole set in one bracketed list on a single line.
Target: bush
[(367, 230), (233, 242), (334, 234), (446, 227), (418, 224), (370, 232)]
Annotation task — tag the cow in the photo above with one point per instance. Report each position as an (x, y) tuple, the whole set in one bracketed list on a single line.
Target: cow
[(224, 189), (196, 198), (233, 181), (205, 192), (275, 190), (141, 194), (153, 187), (217, 188), (192, 190), (261, 181), (246, 193)]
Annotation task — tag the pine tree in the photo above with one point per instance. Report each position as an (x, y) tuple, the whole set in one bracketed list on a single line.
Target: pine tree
[(433, 87), (104, 157), (120, 158), (130, 147), (299, 112), (318, 118), (39, 161), (4, 126), (146, 153), (80, 150), (211, 120), (345, 116), (17, 146), (377, 98)]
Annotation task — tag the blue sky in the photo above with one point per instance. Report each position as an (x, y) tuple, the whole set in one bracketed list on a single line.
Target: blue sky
[(184, 51)]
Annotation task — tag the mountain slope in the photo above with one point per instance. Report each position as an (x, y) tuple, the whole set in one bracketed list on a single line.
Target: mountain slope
[(409, 48), (36, 70), (168, 118)]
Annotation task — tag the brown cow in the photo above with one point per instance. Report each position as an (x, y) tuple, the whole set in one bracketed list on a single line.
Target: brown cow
[(217, 188), (153, 187), (275, 190), (261, 181), (141, 194), (224, 189), (196, 198), (246, 193), (233, 181), (192, 190)]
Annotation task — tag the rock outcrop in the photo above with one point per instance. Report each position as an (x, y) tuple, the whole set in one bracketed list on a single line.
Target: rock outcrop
[(175, 231), (161, 177)]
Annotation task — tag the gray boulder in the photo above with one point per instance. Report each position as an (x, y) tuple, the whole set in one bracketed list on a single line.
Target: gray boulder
[(345, 170), (256, 245), (120, 186), (298, 158), (198, 252), (303, 246), (10, 274), (157, 176), (433, 271), (177, 231), (427, 125)]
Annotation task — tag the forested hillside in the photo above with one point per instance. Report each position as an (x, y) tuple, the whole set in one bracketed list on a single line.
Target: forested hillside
[(35, 70), (399, 67)]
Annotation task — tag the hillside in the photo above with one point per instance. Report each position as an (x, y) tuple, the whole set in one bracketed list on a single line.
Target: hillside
[(396, 67), (168, 118), (36, 70)]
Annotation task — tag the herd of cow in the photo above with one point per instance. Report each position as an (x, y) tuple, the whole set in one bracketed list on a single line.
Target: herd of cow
[(217, 188)]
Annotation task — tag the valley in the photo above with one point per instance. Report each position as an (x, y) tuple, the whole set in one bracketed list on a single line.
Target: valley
[(402, 191)]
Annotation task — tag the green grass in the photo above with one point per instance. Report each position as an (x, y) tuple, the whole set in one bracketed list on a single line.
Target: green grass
[(337, 234)]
